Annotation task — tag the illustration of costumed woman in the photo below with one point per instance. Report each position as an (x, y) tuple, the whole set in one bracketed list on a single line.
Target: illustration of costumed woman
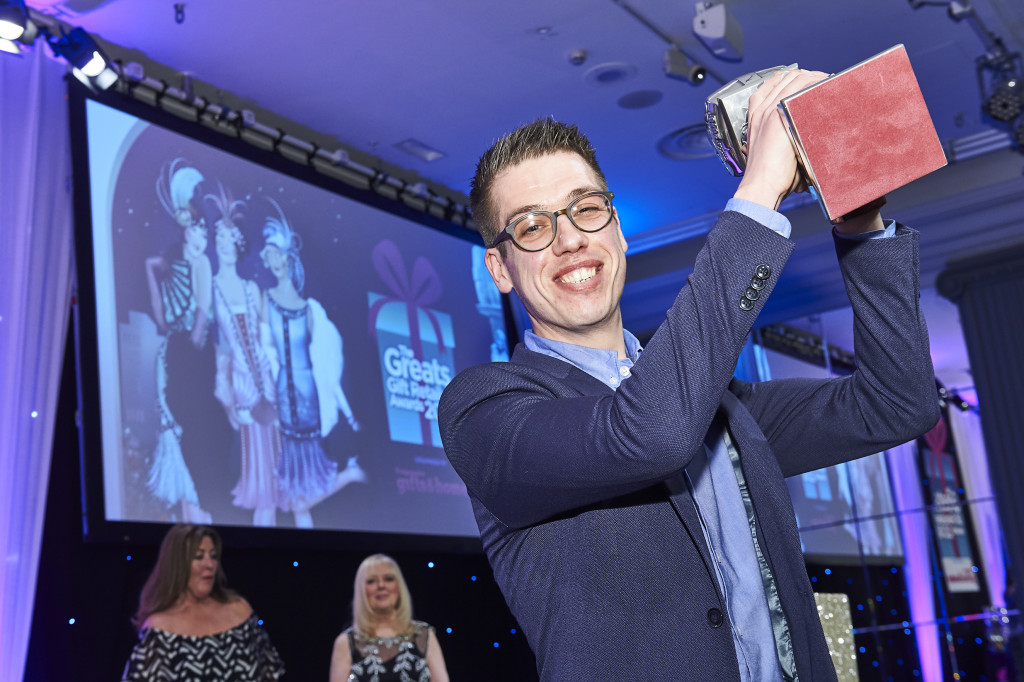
[(180, 296), (309, 393), (245, 371)]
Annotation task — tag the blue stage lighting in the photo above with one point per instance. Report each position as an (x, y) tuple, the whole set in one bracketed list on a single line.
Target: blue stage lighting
[(82, 52), (13, 20)]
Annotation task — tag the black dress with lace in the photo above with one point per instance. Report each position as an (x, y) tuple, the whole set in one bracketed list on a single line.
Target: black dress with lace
[(242, 654), (390, 659)]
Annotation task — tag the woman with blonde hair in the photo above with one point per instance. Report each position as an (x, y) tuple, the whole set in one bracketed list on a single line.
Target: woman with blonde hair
[(191, 625), (384, 642)]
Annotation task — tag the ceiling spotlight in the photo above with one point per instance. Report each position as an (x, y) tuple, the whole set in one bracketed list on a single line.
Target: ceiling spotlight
[(678, 66), (13, 19), (1004, 104), (719, 30), (82, 52)]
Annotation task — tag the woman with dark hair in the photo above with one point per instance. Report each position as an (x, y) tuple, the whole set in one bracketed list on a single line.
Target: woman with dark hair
[(191, 625), (179, 291), (384, 643)]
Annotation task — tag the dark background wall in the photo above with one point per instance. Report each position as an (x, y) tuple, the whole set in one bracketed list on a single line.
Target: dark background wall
[(303, 607)]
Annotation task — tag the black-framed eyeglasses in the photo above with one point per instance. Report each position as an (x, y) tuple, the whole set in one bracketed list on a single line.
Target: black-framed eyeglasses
[(536, 230)]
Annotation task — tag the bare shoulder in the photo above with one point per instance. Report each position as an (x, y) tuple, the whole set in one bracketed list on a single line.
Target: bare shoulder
[(164, 620), (241, 608), (341, 659), (341, 643)]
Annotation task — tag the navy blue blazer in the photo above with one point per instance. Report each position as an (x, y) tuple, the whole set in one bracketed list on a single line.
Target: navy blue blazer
[(576, 488)]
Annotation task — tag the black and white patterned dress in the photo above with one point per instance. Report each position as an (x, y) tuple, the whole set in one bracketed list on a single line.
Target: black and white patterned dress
[(242, 654), (390, 659)]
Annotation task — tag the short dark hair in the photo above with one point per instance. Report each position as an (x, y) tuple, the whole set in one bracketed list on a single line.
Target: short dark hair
[(543, 136)]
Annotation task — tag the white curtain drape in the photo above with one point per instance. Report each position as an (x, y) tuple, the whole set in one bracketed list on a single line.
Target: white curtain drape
[(965, 428), (35, 294), (917, 569)]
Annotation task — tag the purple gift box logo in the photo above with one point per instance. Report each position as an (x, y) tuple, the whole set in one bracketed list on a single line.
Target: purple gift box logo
[(415, 344)]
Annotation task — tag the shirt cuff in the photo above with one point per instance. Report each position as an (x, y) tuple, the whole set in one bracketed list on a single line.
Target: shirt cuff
[(773, 220), (888, 231)]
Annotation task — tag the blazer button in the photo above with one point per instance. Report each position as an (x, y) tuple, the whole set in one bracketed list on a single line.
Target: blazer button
[(746, 304), (751, 294), (757, 283), (763, 271), (715, 618)]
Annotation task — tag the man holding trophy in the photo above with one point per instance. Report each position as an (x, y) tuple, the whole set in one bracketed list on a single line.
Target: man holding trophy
[(632, 502)]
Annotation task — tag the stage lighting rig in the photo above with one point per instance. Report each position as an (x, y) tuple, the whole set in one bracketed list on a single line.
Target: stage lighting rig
[(13, 19), (677, 62), (999, 71), (16, 26), (718, 29), (84, 55), (1001, 81), (1004, 104), (678, 66)]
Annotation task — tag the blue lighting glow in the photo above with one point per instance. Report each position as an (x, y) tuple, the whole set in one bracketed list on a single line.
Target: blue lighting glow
[(893, 570), (979, 640), (814, 578), (473, 578), (496, 645), (878, 597), (295, 564), (906, 631), (893, 612), (448, 630), (513, 631), (862, 650), (828, 571), (128, 558), (430, 564), (899, 661), (259, 621), (860, 607), (71, 621), (34, 414), (849, 581), (874, 664), (974, 569)]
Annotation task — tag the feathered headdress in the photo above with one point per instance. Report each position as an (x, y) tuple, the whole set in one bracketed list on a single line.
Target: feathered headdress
[(176, 186), (277, 232), (230, 213)]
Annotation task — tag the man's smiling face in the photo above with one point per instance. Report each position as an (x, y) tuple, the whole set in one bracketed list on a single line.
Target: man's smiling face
[(571, 289)]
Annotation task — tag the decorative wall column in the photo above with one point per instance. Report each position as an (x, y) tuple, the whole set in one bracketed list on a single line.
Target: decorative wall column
[(989, 292)]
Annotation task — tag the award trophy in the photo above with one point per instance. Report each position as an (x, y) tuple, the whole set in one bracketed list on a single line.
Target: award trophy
[(858, 134)]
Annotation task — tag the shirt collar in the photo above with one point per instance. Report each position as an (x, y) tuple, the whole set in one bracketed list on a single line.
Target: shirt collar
[(603, 365)]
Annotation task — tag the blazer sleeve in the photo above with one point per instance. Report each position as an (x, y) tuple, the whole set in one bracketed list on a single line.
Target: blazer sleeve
[(889, 399), (529, 446)]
